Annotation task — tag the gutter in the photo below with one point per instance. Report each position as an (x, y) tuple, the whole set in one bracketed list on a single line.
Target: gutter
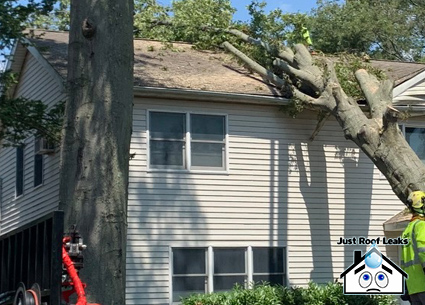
[(208, 96)]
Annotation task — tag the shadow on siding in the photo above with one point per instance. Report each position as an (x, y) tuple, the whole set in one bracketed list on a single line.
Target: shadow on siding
[(315, 194)]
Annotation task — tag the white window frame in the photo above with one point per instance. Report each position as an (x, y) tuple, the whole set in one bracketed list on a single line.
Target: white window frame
[(187, 152), (209, 259)]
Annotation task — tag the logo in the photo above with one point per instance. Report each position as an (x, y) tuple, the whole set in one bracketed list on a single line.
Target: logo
[(373, 273)]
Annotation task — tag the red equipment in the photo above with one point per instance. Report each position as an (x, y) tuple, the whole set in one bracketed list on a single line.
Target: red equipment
[(72, 260)]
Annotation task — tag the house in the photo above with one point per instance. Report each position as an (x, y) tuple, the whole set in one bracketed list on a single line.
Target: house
[(246, 198), (373, 273)]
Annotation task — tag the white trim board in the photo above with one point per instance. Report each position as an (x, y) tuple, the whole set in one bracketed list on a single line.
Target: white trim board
[(408, 84)]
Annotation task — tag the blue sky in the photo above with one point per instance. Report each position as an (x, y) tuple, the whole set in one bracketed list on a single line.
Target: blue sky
[(289, 6)]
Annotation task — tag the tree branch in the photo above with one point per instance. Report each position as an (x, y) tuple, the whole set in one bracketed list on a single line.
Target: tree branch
[(319, 126), (377, 93), (270, 76)]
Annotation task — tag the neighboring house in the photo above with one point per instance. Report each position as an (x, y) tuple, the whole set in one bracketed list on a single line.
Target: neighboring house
[(373, 273), (224, 187)]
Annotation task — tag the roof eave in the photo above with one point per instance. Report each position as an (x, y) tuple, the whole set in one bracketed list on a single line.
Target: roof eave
[(208, 96), (400, 88), (396, 226)]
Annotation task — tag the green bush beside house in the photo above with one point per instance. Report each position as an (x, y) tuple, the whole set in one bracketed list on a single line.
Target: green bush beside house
[(264, 294)]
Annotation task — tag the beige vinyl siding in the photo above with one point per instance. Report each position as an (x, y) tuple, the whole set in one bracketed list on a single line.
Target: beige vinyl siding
[(38, 84), (280, 190)]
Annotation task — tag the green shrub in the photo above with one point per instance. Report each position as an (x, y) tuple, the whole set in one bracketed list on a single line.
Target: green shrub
[(264, 294)]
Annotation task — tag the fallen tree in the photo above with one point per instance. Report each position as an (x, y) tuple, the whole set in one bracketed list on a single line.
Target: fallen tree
[(313, 83)]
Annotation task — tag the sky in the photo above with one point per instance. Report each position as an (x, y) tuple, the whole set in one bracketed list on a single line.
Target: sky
[(288, 6)]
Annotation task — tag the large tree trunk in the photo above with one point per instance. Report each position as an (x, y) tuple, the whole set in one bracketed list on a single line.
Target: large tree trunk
[(96, 140)]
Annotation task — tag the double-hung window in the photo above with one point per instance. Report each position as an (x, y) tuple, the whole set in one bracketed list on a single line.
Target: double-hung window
[(206, 270), (189, 272), (187, 141), (229, 268), (269, 265), (167, 141)]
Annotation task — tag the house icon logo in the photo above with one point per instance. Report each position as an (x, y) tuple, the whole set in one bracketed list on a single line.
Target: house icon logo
[(373, 273)]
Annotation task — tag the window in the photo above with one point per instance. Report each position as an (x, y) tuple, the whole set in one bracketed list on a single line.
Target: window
[(38, 164), (19, 183), (416, 139), (167, 140), (229, 268), (187, 141), (189, 272), (269, 265), (205, 270)]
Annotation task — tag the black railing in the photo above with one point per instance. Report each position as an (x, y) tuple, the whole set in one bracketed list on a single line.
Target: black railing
[(33, 254)]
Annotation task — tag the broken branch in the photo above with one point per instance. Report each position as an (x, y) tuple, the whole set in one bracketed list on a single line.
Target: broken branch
[(270, 76)]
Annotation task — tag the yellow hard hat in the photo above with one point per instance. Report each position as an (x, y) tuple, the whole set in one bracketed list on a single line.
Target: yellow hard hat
[(416, 202)]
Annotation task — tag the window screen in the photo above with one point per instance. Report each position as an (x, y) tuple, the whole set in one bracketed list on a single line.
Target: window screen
[(269, 265), (208, 141), (167, 139), (229, 268), (189, 272)]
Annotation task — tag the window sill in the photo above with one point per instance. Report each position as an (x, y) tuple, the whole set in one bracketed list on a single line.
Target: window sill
[(186, 171), (18, 197), (38, 186)]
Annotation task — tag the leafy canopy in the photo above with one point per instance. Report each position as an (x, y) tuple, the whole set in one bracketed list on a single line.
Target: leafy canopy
[(386, 29), (22, 117)]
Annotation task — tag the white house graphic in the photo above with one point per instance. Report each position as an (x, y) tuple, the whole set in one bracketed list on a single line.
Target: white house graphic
[(373, 273)]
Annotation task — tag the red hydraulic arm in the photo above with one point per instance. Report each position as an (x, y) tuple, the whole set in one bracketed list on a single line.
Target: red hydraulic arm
[(73, 280)]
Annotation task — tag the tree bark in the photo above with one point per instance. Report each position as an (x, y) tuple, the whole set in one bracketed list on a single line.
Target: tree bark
[(376, 134), (96, 141)]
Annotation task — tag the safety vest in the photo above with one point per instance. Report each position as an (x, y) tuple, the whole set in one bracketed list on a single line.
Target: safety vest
[(413, 256), (306, 36)]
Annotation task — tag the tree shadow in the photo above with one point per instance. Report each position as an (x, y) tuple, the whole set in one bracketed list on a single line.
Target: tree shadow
[(358, 198), (311, 163)]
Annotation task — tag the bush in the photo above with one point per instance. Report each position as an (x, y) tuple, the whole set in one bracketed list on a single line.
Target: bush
[(264, 294)]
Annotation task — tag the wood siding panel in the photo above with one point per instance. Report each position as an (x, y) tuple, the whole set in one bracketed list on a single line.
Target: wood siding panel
[(280, 190), (37, 84)]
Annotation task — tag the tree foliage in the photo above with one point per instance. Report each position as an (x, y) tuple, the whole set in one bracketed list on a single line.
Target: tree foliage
[(56, 19), (192, 21), (13, 16), (388, 29), (21, 118)]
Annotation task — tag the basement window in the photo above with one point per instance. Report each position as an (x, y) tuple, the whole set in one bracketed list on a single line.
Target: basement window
[(206, 270)]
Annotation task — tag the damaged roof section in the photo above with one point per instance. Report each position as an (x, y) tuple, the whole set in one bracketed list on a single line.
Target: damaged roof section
[(176, 65), (180, 66)]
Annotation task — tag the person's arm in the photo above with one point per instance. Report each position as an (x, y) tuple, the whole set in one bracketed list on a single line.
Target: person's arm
[(419, 232)]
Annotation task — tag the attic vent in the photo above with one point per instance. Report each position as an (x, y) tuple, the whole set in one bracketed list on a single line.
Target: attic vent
[(43, 147)]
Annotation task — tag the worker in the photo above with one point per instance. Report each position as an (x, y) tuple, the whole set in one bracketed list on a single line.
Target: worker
[(413, 254), (307, 39), (306, 36)]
